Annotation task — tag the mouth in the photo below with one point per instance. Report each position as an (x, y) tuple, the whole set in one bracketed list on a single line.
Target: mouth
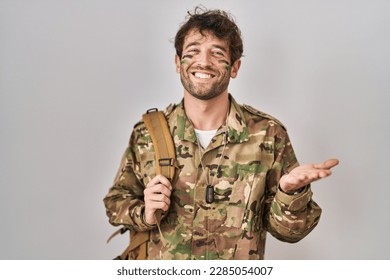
[(201, 75)]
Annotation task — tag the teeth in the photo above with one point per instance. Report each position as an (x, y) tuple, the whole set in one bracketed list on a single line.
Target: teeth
[(202, 75)]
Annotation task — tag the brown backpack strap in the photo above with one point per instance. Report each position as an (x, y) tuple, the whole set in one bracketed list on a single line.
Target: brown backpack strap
[(164, 148), (137, 249), (165, 157)]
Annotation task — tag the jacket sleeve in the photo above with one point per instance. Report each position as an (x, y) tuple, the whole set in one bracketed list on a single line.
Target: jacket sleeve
[(125, 200), (289, 217)]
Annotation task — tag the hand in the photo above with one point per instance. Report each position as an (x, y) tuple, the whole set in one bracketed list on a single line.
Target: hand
[(157, 196), (305, 174)]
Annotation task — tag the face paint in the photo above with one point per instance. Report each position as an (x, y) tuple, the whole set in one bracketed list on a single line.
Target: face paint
[(184, 61), (227, 65)]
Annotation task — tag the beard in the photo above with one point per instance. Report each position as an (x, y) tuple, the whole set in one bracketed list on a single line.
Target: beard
[(205, 91)]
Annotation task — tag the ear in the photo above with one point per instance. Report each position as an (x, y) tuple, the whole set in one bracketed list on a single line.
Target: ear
[(235, 67), (177, 62)]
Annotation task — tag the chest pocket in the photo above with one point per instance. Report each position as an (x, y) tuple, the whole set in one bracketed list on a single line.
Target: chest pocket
[(247, 196)]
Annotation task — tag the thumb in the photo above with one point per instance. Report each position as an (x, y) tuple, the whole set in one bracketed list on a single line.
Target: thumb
[(328, 164)]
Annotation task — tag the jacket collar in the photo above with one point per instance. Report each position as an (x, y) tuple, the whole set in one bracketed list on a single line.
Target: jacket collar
[(237, 129)]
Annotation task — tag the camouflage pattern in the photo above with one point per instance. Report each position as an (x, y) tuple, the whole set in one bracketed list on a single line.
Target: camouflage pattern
[(247, 203)]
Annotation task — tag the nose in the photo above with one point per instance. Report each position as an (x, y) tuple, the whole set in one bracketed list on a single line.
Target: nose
[(204, 59)]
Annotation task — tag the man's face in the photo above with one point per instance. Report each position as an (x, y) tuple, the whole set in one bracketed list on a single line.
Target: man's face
[(205, 68)]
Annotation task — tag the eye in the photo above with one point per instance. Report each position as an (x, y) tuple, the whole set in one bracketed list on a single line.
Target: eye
[(218, 53), (190, 53)]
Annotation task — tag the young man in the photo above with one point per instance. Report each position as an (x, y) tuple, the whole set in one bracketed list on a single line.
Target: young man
[(237, 175)]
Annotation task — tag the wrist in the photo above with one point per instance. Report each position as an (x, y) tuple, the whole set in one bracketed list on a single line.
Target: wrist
[(149, 218), (292, 192)]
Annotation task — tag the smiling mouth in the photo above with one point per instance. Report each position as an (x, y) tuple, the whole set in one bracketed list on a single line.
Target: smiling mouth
[(203, 75)]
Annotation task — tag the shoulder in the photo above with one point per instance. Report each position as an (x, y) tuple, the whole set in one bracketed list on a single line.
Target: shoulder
[(254, 113), (167, 112)]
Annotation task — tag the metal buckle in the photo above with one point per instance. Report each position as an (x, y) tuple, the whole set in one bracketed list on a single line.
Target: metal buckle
[(151, 110), (165, 161)]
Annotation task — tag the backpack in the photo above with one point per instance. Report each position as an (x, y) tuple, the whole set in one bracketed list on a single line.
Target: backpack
[(165, 156)]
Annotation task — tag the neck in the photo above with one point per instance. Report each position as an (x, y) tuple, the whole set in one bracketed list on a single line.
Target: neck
[(207, 114)]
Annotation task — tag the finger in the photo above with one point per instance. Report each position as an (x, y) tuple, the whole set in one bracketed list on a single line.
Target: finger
[(324, 173), (157, 189), (328, 164), (156, 205), (162, 205), (160, 179), (159, 198)]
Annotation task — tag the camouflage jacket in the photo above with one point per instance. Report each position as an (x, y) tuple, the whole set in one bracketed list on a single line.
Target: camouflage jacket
[(247, 200)]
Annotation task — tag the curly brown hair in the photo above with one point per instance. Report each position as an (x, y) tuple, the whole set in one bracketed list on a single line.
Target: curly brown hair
[(219, 23)]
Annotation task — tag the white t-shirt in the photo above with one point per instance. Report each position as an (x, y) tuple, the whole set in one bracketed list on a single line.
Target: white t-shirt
[(205, 136)]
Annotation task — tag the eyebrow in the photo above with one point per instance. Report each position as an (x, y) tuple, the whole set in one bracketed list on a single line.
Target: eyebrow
[(192, 44), (214, 45), (220, 47)]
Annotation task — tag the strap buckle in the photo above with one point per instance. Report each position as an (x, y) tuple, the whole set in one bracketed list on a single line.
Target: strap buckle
[(165, 161), (151, 110)]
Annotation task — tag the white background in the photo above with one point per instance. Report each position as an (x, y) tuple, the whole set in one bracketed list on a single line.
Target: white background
[(75, 76)]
